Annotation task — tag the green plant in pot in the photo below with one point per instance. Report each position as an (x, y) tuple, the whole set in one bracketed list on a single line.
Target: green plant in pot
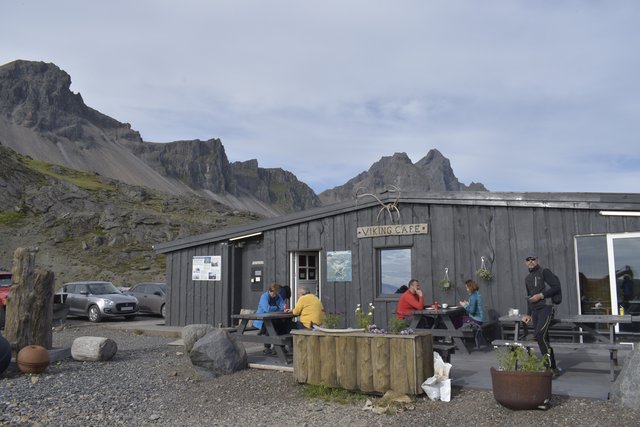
[(522, 380)]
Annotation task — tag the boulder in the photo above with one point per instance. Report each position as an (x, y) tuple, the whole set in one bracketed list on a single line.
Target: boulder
[(216, 354), (192, 333), (93, 349), (626, 388)]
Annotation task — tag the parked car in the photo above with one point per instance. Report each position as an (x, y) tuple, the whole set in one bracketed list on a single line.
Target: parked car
[(152, 297), (5, 287), (97, 300)]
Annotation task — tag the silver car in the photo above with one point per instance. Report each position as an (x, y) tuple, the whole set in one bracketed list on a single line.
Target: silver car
[(152, 297), (97, 300)]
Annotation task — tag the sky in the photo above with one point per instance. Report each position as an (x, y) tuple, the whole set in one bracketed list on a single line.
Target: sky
[(519, 95)]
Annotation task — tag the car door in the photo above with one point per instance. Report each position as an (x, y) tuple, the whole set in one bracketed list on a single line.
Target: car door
[(140, 292), (75, 300), (155, 298)]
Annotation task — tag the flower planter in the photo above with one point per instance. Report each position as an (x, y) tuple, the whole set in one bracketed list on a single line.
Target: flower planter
[(363, 361), (521, 389)]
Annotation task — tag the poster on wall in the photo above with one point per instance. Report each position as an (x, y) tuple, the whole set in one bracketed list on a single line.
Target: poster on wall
[(207, 268), (339, 266)]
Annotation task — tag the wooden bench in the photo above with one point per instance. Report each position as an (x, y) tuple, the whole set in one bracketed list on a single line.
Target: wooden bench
[(557, 331), (445, 350), (612, 348), (479, 333)]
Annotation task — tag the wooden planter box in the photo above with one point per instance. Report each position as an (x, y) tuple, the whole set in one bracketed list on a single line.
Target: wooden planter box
[(363, 361)]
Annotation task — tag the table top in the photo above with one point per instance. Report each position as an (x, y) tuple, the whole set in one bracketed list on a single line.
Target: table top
[(596, 318), (579, 318), (432, 311), (263, 316)]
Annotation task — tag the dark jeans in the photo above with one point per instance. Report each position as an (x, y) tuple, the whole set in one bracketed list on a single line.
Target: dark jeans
[(541, 320), (282, 326)]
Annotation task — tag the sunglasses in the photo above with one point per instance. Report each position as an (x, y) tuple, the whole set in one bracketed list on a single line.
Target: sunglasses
[(530, 259)]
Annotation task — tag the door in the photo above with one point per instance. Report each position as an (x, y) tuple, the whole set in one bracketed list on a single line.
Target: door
[(608, 266), (305, 271)]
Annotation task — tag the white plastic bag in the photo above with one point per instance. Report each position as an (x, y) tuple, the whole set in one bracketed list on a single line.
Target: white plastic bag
[(440, 368), (438, 387)]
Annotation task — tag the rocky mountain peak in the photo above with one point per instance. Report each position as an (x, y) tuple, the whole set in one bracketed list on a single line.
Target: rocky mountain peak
[(431, 173)]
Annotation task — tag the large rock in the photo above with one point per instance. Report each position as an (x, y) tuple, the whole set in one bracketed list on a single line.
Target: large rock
[(216, 354), (93, 349), (626, 388), (192, 333)]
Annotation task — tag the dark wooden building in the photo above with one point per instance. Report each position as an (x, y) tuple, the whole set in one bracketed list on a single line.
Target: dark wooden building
[(361, 251)]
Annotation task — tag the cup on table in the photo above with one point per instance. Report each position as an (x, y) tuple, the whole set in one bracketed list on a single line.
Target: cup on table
[(445, 305)]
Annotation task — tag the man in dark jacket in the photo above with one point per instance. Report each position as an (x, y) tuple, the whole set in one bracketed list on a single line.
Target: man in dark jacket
[(541, 309)]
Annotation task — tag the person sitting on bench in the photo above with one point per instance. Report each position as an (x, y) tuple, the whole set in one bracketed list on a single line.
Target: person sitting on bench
[(271, 302)]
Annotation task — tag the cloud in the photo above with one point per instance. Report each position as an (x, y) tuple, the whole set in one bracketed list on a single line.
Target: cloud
[(521, 96)]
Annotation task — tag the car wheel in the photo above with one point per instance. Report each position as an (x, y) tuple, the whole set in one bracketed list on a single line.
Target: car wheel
[(163, 310), (94, 314)]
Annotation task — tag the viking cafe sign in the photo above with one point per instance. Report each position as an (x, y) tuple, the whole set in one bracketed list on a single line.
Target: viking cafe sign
[(392, 230)]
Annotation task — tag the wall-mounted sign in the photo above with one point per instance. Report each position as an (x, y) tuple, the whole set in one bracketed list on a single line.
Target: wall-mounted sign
[(257, 275), (392, 230), (207, 268), (339, 266)]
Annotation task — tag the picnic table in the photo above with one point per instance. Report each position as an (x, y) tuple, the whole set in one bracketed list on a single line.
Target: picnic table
[(277, 341), (442, 325)]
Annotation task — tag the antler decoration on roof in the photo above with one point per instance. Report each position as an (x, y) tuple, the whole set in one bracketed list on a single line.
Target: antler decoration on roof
[(390, 207)]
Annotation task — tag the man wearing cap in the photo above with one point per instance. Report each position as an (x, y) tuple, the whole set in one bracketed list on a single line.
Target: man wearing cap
[(540, 308)]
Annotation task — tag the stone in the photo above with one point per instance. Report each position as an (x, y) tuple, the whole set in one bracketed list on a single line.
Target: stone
[(93, 349), (216, 354), (626, 388), (192, 333)]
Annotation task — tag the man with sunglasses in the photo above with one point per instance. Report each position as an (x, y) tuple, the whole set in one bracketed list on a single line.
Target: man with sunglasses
[(541, 286)]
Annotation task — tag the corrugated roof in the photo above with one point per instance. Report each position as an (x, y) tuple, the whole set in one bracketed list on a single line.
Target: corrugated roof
[(595, 201)]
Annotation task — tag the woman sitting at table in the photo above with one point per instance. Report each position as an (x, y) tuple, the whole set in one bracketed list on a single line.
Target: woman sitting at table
[(473, 306), (271, 302)]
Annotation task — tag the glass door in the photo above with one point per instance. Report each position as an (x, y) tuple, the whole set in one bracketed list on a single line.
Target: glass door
[(608, 266), (624, 270)]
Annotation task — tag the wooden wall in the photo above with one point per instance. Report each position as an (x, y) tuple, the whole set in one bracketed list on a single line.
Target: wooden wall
[(459, 235)]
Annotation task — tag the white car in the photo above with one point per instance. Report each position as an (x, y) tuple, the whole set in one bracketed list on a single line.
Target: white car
[(97, 300)]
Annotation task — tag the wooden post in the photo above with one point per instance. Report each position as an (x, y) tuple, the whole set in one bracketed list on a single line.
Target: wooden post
[(30, 304), (300, 359), (328, 361), (346, 360), (380, 364), (365, 364)]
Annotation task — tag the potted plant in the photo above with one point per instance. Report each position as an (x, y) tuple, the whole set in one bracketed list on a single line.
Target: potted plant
[(483, 272), (445, 283), (522, 379)]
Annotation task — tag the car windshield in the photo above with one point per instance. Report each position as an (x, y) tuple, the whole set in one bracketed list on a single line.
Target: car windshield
[(5, 280), (103, 288)]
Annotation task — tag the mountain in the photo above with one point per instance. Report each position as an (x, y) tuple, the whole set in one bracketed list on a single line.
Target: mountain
[(88, 227), (431, 173), (40, 117)]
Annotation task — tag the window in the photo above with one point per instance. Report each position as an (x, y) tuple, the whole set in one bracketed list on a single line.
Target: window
[(306, 267), (395, 269)]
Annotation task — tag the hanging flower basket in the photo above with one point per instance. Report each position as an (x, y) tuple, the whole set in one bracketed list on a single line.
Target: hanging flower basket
[(445, 283), (483, 272)]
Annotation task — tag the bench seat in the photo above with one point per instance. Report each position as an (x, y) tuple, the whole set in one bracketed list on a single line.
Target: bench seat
[(445, 350)]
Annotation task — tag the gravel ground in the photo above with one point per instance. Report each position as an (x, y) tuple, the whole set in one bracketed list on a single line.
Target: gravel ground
[(149, 383)]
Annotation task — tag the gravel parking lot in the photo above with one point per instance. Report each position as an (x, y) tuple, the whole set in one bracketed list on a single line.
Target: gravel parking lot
[(150, 383)]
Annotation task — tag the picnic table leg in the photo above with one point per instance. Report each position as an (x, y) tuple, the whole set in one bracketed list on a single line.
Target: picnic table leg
[(457, 340), (279, 348), (415, 320), (242, 326)]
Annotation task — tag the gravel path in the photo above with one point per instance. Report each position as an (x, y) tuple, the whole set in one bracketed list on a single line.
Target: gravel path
[(149, 383)]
